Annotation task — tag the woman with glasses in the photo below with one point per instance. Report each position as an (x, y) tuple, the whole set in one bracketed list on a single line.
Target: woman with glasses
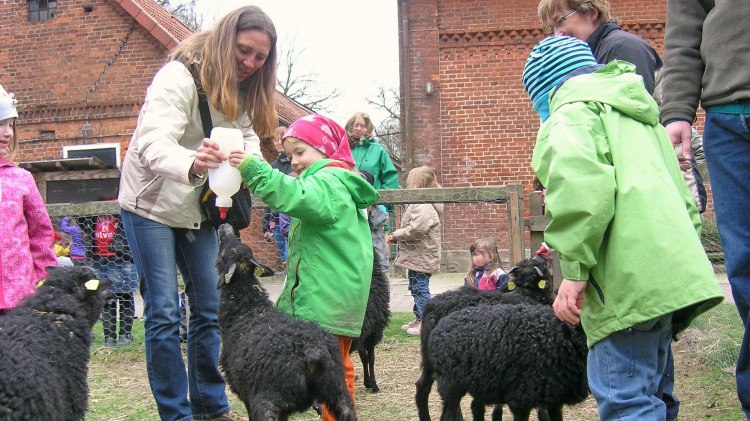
[(590, 21)]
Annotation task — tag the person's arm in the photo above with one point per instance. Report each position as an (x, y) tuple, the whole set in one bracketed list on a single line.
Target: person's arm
[(170, 105), (421, 219), (683, 68), (571, 162), (40, 230), (388, 173)]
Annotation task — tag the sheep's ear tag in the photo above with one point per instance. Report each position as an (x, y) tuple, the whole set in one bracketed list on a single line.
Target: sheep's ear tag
[(92, 285), (511, 286), (40, 283), (258, 272), (542, 284), (230, 272)]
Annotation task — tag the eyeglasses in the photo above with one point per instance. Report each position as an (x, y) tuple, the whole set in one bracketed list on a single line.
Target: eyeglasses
[(560, 22)]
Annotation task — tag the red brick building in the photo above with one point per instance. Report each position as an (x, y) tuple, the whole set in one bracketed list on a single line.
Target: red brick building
[(464, 110), (80, 69)]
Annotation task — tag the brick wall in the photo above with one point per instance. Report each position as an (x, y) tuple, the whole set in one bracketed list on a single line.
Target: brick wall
[(478, 127)]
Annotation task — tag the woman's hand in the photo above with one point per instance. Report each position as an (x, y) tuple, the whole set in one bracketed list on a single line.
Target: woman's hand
[(209, 156)]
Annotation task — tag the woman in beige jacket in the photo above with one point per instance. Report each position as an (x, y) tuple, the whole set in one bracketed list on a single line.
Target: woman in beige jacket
[(419, 243)]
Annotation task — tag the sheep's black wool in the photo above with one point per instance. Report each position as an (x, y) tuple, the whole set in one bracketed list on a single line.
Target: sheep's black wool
[(377, 316), (275, 364), (526, 288), (44, 347), (528, 358)]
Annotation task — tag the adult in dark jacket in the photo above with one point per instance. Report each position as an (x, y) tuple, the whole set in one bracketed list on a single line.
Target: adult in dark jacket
[(590, 21)]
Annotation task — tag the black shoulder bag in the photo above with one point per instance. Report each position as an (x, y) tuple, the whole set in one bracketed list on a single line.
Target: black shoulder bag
[(239, 215)]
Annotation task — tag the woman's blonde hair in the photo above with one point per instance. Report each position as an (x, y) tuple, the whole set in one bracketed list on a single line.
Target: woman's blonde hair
[(214, 49), (368, 123), (421, 178), (487, 245), (548, 8)]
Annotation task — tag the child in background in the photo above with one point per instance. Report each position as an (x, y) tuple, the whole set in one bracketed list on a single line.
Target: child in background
[(419, 244), (329, 267), (62, 250), (486, 273), (617, 204), (77, 246), (26, 243)]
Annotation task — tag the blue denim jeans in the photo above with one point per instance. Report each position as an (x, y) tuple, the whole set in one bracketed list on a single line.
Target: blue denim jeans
[(726, 142), (624, 370), (158, 250), (280, 242), (665, 392), (419, 286)]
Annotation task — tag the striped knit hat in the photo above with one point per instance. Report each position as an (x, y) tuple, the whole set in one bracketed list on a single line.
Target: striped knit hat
[(550, 61)]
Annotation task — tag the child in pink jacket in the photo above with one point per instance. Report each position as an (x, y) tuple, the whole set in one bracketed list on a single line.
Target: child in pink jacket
[(26, 234)]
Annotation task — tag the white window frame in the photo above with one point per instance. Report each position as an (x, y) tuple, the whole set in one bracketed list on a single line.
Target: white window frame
[(116, 147)]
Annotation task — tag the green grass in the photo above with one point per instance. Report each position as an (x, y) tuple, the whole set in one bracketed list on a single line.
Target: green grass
[(119, 387)]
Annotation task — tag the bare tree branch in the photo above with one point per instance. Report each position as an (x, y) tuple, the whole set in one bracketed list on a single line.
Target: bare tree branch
[(185, 11), (304, 88)]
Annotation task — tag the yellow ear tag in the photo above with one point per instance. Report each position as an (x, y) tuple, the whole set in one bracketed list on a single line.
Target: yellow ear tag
[(258, 271), (92, 285), (542, 284), (511, 286), (40, 283)]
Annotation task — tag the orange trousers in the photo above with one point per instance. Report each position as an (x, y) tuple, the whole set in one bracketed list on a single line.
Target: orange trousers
[(345, 344)]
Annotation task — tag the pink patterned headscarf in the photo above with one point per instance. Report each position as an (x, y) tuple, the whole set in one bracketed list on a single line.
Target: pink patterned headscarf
[(323, 134)]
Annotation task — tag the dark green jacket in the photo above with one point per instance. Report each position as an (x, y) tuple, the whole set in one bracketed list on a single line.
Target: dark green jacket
[(373, 158), (329, 267), (621, 215)]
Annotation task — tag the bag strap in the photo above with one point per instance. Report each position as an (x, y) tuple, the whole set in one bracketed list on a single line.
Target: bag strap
[(208, 125)]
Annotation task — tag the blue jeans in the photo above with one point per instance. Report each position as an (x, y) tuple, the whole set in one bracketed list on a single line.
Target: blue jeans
[(726, 142), (624, 370), (280, 242), (158, 250), (665, 392), (419, 286)]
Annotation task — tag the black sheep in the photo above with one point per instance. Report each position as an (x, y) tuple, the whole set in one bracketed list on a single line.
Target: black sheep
[(275, 364), (44, 347), (520, 355), (529, 283), (377, 316)]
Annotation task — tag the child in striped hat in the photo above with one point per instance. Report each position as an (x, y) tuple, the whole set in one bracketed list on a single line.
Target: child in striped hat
[(617, 204)]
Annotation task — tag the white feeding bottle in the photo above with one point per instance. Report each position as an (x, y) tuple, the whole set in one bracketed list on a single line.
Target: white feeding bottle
[(226, 179)]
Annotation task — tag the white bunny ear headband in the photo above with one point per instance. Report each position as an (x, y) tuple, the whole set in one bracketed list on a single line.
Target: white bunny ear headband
[(7, 105)]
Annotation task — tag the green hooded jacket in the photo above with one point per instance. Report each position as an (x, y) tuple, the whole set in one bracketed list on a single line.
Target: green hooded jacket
[(329, 267), (373, 158), (621, 215)]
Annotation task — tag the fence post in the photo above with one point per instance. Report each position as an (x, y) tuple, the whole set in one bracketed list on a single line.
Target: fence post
[(515, 222)]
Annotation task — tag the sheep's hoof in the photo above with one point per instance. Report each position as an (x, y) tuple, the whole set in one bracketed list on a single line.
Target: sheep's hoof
[(373, 389)]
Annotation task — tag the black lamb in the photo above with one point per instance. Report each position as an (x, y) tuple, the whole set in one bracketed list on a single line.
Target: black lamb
[(45, 347), (377, 316), (275, 364), (529, 283), (520, 355)]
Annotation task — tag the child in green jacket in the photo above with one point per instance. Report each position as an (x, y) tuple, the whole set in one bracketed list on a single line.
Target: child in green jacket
[(621, 219), (329, 266)]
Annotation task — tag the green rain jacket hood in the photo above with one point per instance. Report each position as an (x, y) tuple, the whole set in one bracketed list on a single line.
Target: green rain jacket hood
[(621, 215), (329, 267)]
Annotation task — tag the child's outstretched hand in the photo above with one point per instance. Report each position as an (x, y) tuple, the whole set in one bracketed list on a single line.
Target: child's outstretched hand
[(236, 157)]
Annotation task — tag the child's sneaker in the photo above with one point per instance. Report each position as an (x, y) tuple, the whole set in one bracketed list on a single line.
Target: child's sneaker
[(409, 325), (124, 340), (414, 330), (110, 342)]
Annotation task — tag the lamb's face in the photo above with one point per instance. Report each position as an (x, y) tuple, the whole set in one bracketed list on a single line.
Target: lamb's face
[(531, 276), (234, 256), (75, 288)]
